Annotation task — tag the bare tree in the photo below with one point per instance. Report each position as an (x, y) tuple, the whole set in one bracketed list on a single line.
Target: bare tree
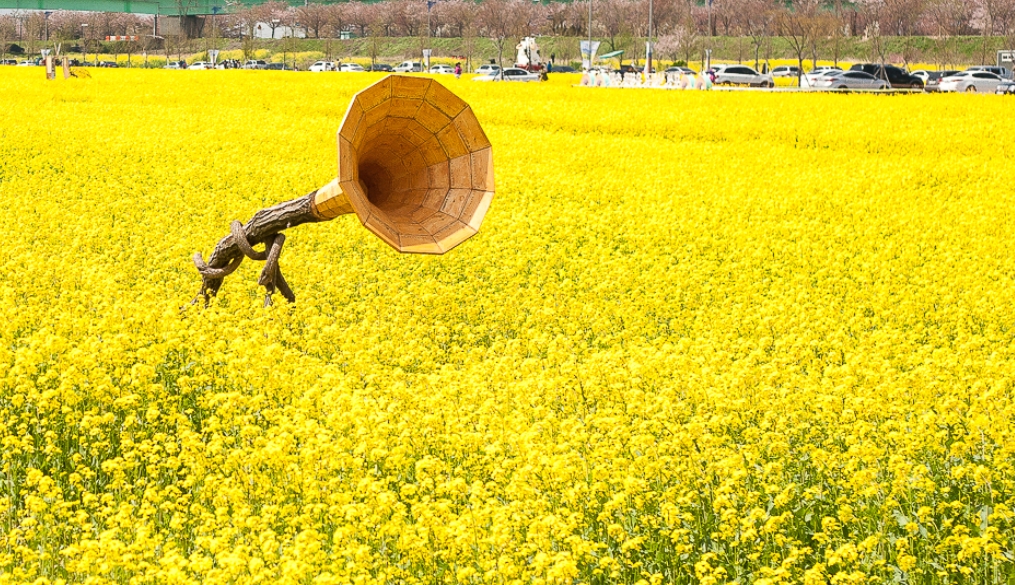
[(800, 22), (498, 21), (33, 30), (874, 13), (757, 21), (8, 30), (613, 18), (999, 18), (724, 15), (681, 42), (315, 17), (557, 15), (410, 16), (463, 14), (900, 17), (948, 18), (362, 16)]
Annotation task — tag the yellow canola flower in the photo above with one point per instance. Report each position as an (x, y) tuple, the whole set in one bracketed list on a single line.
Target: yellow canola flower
[(702, 337)]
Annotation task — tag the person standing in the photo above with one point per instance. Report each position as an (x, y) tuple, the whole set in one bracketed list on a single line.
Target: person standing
[(458, 70)]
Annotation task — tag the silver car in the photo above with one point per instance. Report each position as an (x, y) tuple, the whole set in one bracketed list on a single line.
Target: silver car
[(851, 80), (971, 81), (510, 74), (741, 75)]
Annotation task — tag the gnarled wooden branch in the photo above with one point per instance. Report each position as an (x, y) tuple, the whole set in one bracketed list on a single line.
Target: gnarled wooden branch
[(264, 227)]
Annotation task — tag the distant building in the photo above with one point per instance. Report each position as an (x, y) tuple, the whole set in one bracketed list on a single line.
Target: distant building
[(262, 30)]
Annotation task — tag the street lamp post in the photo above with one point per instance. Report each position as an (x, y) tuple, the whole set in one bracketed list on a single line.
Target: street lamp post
[(648, 45)]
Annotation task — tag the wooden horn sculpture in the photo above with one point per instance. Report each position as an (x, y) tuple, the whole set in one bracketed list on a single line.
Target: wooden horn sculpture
[(413, 164)]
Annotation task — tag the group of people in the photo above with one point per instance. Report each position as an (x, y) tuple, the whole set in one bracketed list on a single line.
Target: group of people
[(670, 80)]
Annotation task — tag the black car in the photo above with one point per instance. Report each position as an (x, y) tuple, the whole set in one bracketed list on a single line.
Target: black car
[(380, 67), (278, 67), (896, 77), (560, 69)]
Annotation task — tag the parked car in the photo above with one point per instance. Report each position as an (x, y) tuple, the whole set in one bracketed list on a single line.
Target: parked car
[(896, 77), (1006, 87), (509, 74), (850, 80), (27, 63), (786, 71), (812, 79), (8, 62), (560, 69), (487, 69), (352, 67), (629, 68), (931, 79), (812, 75), (409, 67), (971, 81), (322, 66), (741, 75), (279, 67), (176, 65), (380, 67), (255, 64), (1002, 72), (442, 69), (200, 66), (684, 70)]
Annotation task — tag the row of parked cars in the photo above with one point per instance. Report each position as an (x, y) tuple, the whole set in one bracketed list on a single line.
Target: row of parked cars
[(980, 79)]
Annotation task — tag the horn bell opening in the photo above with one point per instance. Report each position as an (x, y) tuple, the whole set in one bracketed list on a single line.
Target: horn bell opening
[(415, 164)]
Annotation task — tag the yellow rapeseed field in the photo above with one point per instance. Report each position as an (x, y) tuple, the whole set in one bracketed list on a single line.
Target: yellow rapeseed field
[(702, 337)]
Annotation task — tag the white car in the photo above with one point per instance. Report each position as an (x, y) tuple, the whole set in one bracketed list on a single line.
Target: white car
[(741, 75), (26, 64), (815, 80), (850, 80), (487, 69), (509, 74), (1002, 72), (971, 81), (786, 71), (443, 69), (353, 67), (819, 72), (409, 67), (200, 66), (322, 66)]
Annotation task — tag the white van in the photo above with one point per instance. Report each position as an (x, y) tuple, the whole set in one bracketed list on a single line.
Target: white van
[(323, 66), (409, 67)]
